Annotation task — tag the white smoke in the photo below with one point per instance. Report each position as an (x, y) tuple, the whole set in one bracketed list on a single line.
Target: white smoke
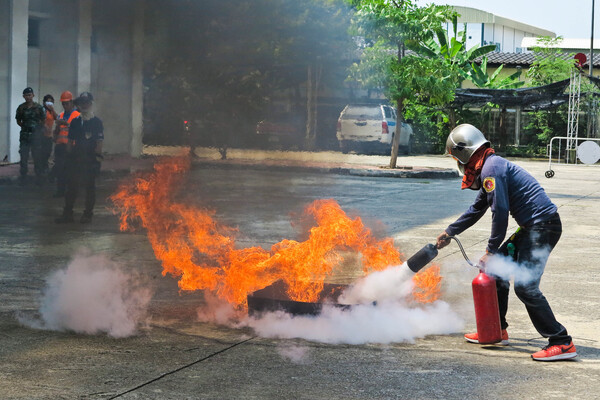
[(217, 310), (393, 283), (381, 323), (507, 269), (294, 353), (92, 295), (380, 312)]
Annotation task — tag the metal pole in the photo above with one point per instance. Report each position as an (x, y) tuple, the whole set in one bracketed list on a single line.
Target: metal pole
[(592, 41)]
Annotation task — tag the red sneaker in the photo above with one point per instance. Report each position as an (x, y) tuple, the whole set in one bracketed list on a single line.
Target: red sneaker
[(555, 353), (474, 338)]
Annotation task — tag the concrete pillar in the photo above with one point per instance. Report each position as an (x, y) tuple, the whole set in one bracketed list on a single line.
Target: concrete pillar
[(137, 87), (17, 70), (84, 49)]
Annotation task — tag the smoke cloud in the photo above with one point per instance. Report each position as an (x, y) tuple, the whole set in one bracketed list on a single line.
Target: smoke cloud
[(388, 322), (381, 312), (294, 353), (92, 295), (391, 284), (506, 269)]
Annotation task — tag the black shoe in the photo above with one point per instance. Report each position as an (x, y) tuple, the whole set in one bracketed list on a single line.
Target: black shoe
[(86, 218), (65, 219)]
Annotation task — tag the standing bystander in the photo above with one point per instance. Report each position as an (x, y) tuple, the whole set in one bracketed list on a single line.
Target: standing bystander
[(30, 117), (46, 138), (84, 155), (61, 139)]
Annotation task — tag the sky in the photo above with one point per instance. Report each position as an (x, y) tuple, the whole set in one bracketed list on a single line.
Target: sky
[(569, 19)]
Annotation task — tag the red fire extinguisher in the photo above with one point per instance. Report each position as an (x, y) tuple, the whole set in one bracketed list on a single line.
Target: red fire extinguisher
[(487, 315), (485, 298)]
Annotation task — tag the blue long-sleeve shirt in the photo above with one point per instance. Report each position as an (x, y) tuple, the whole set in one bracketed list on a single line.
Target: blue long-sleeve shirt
[(507, 189)]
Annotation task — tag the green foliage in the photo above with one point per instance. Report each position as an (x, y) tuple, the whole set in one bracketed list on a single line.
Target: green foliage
[(549, 65), (392, 25), (429, 127), (479, 76), (453, 50)]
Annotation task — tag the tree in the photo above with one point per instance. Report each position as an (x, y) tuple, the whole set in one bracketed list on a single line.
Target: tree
[(453, 50), (549, 66), (391, 26), (223, 62)]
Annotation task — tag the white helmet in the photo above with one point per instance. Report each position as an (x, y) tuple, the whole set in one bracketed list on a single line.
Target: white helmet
[(463, 141)]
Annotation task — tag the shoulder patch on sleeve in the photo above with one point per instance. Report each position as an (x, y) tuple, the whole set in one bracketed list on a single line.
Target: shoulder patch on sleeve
[(489, 184)]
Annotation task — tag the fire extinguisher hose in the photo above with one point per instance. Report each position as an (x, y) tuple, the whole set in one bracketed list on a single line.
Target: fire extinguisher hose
[(463, 252)]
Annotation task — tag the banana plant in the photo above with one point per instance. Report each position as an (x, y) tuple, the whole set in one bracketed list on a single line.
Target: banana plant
[(453, 50), (480, 77)]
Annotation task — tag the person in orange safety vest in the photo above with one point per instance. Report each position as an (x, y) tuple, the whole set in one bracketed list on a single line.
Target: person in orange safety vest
[(46, 140), (61, 139)]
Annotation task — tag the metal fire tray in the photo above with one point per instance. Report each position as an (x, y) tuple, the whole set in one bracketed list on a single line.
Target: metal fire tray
[(275, 298)]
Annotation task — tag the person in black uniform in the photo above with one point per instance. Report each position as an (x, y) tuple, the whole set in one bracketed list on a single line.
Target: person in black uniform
[(30, 117), (84, 155), (508, 190)]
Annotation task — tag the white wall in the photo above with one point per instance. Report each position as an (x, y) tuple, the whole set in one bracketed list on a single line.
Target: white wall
[(5, 112), (508, 40), (64, 61)]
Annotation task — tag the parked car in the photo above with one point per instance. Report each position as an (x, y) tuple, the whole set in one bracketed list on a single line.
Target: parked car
[(370, 128), (279, 132)]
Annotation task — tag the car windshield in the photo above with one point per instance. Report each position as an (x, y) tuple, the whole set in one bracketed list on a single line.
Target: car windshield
[(362, 113)]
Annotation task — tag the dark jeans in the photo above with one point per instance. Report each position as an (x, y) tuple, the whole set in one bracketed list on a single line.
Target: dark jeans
[(31, 143), (81, 173), (45, 152), (533, 245), (59, 169)]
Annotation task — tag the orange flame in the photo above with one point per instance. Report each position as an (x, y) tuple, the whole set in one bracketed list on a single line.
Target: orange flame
[(202, 253), (427, 285)]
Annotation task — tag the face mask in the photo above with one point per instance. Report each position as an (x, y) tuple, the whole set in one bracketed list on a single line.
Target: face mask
[(476, 185)]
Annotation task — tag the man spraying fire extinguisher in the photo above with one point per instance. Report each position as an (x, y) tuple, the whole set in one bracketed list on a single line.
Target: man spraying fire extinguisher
[(507, 189)]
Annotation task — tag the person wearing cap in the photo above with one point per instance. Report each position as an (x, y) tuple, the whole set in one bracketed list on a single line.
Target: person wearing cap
[(30, 117), (61, 139), (46, 144), (508, 189), (84, 154)]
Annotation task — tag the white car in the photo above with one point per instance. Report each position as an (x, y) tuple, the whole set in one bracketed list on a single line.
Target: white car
[(370, 128)]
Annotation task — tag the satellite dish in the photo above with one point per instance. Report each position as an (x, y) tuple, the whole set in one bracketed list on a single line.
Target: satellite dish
[(588, 152)]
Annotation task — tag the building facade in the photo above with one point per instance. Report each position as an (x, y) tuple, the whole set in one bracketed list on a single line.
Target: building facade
[(485, 28), (75, 45)]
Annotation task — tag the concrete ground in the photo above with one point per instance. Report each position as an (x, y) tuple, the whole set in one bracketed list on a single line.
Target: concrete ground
[(174, 356)]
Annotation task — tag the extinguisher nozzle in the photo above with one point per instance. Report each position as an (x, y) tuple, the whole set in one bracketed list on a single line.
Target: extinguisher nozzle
[(422, 258)]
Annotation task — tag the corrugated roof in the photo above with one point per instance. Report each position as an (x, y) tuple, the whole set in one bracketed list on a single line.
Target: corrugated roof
[(526, 59)]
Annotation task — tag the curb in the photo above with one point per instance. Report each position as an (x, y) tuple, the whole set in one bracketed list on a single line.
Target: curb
[(373, 172), (364, 172)]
